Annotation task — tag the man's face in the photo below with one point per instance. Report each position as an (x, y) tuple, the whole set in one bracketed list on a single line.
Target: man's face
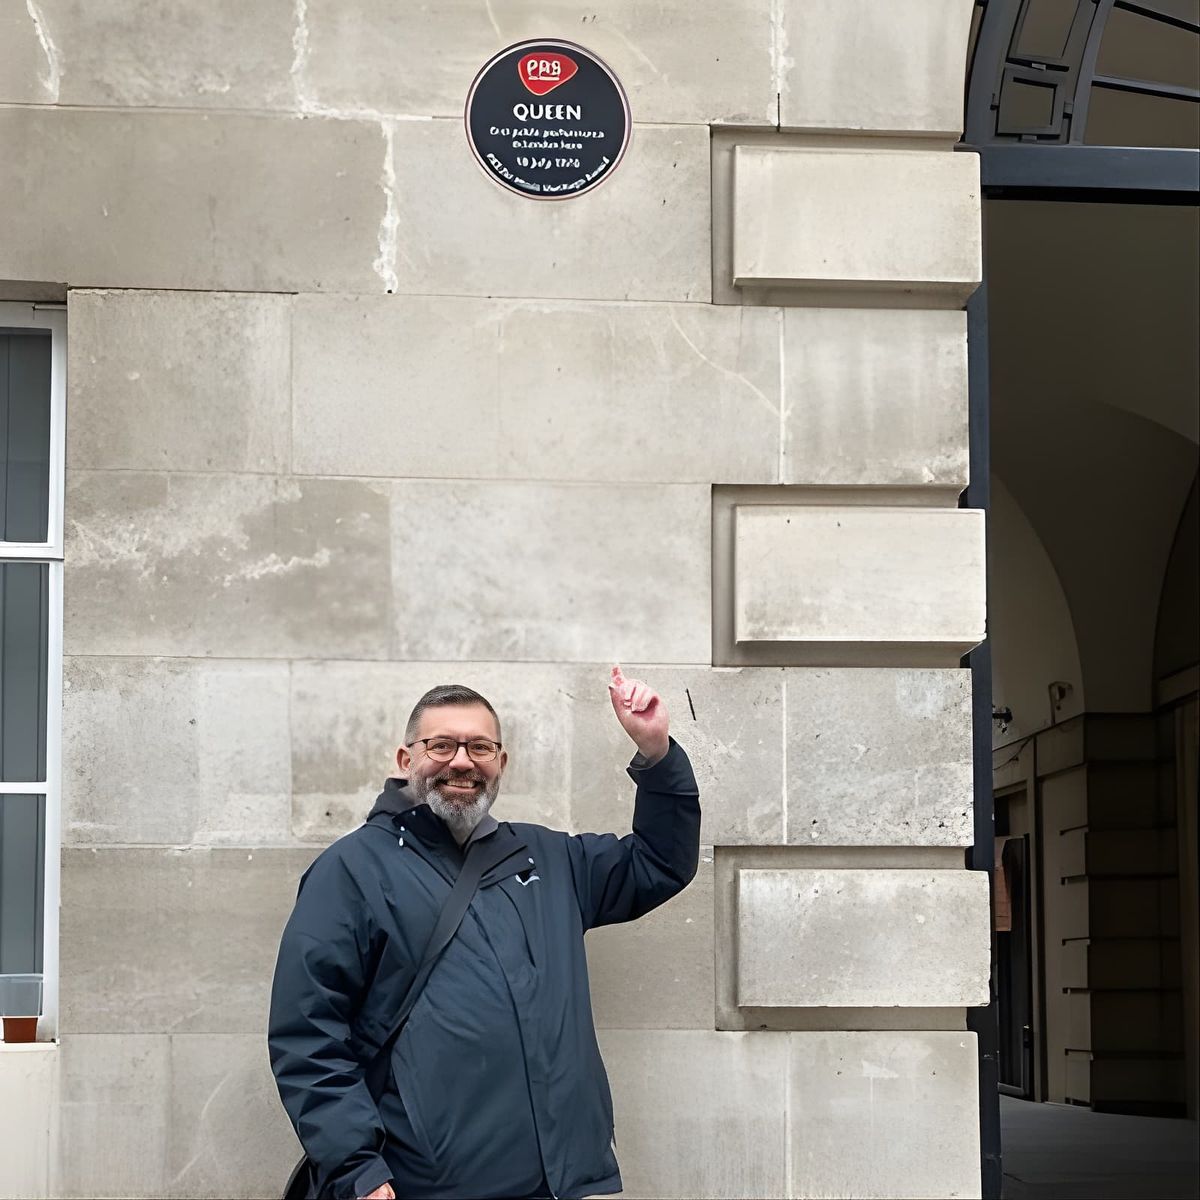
[(461, 785)]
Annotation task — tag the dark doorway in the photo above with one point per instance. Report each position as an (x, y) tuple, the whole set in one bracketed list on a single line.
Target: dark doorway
[(1013, 947)]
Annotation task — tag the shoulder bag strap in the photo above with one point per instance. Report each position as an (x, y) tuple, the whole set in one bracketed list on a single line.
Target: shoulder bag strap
[(481, 857)]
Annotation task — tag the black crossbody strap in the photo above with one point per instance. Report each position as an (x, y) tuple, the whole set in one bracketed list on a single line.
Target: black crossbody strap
[(481, 857)]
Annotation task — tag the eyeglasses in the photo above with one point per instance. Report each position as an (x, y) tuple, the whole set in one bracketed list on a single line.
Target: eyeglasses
[(443, 749)]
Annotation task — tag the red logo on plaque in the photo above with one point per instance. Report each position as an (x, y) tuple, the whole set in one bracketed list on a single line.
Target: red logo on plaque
[(542, 73)]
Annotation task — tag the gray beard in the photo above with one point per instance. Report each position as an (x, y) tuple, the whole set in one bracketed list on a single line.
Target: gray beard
[(460, 819)]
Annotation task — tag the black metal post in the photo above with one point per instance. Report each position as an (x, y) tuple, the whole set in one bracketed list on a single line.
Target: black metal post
[(983, 1021)]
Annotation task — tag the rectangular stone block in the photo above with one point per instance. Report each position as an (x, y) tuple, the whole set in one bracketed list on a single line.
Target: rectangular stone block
[(373, 54), (29, 1101), (875, 396), (657, 972), (860, 65), (230, 565), (862, 938), (882, 220), (348, 719), (228, 1135), (175, 750), (879, 757), (829, 576), (545, 390), (877, 1114), (172, 941), (730, 861), (104, 52), (156, 199), (28, 73), (179, 381), (114, 1091), (643, 235), (730, 723), (572, 572), (728, 1139)]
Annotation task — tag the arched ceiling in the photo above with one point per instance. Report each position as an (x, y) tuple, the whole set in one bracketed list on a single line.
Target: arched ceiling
[(1093, 314), (1100, 302)]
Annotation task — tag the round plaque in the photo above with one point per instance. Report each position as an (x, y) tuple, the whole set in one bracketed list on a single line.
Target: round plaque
[(547, 120)]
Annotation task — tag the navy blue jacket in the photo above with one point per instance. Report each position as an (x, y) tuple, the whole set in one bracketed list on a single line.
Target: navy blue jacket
[(496, 1081)]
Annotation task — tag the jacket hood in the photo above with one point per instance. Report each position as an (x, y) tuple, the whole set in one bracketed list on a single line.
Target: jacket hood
[(394, 799)]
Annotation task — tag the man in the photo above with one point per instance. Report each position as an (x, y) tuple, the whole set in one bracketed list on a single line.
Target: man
[(495, 1085)]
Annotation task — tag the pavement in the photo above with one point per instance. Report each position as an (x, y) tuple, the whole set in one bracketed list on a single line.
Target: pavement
[(1063, 1152)]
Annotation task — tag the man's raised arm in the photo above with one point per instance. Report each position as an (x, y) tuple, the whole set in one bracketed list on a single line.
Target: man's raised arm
[(619, 879)]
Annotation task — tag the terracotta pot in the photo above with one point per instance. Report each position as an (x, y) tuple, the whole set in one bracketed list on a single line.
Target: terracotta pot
[(20, 1029)]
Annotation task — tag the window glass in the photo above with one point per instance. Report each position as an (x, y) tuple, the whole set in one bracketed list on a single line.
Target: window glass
[(24, 434), (1138, 47), (22, 879), (1130, 119), (1045, 28), (24, 615)]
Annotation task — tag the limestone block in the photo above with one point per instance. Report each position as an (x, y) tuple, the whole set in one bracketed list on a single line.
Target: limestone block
[(855, 938), (884, 1114), (191, 200), (172, 940), (858, 64), (28, 73), (228, 1134), (726, 1140), (371, 53), (179, 381), (875, 396), (551, 572), (730, 861), (114, 1092), (892, 220), (831, 575), (730, 723), (643, 235), (175, 750), (348, 719), (657, 972), (225, 55), (228, 565), (540, 390), (879, 757), (28, 1100)]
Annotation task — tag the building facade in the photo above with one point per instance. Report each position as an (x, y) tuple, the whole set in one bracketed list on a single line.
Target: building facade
[(344, 419)]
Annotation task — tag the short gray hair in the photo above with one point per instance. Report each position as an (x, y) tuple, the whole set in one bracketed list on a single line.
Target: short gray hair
[(446, 694)]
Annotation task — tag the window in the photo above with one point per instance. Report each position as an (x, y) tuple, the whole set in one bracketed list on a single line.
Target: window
[(32, 462)]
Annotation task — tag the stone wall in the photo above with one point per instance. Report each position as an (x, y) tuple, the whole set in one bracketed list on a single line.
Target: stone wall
[(346, 420)]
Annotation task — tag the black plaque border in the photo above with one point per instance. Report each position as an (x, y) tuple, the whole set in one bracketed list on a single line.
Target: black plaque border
[(553, 44)]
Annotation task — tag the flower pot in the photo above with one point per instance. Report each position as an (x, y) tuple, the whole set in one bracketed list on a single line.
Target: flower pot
[(20, 1003), (20, 1029)]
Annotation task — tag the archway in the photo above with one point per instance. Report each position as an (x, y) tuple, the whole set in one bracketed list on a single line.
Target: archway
[(1085, 118)]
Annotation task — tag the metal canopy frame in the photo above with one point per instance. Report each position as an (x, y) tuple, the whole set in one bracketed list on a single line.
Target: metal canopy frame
[(1046, 161), (1031, 152)]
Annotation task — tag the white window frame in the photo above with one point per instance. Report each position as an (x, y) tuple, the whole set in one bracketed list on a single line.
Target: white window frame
[(52, 317)]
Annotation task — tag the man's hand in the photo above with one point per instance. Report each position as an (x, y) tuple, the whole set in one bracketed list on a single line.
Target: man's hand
[(383, 1192), (642, 714)]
